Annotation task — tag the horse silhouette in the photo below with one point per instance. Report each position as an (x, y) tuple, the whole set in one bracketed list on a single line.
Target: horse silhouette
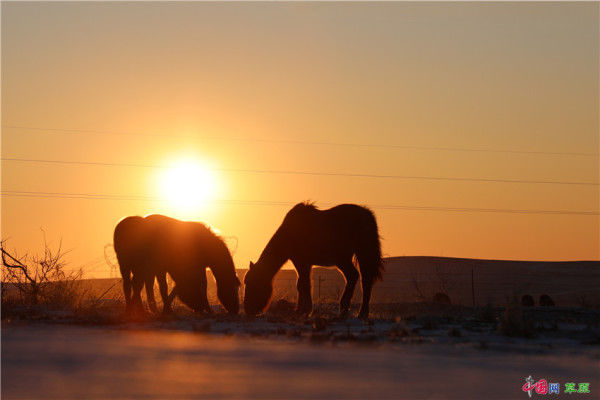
[(149, 248), (309, 236)]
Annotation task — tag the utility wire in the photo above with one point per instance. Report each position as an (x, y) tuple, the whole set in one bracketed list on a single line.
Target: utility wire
[(99, 196), (293, 141), (307, 173)]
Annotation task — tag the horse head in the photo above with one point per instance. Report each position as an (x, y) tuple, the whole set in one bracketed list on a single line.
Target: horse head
[(227, 292), (191, 290), (258, 292)]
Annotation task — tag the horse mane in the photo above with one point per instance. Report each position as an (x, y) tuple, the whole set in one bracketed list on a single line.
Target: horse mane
[(273, 250), (208, 231), (211, 232), (225, 255), (308, 203), (303, 207)]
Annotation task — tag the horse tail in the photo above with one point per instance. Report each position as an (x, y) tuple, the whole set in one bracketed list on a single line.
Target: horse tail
[(368, 251), (125, 243)]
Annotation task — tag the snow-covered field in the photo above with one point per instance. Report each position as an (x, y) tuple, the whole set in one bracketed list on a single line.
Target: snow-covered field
[(269, 357)]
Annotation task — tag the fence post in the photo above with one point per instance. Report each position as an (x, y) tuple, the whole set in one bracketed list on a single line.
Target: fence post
[(472, 288)]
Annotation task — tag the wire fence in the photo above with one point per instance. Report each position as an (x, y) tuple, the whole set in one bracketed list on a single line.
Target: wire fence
[(471, 287)]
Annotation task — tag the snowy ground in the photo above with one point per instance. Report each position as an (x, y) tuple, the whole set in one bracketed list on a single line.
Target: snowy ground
[(421, 357)]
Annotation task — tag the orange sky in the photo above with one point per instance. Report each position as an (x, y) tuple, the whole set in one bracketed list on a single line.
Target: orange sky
[(230, 83)]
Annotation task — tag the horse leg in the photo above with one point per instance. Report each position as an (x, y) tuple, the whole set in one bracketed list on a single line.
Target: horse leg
[(126, 274), (351, 275), (367, 282), (149, 282), (172, 296), (136, 299), (164, 292), (304, 289), (204, 304)]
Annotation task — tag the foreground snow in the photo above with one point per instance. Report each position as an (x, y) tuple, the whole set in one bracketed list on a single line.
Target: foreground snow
[(57, 361)]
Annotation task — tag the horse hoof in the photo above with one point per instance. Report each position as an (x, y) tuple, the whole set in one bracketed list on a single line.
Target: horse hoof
[(304, 317), (303, 311), (204, 314)]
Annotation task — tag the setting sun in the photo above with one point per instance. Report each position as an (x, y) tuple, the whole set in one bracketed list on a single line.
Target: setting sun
[(188, 186)]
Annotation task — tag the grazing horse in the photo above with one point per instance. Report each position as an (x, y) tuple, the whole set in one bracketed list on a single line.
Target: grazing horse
[(309, 236), (150, 247)]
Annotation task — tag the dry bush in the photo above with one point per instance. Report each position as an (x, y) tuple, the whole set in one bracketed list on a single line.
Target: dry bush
[(289, 294), (440, 284), (582, 300), (281, 307), (442, 279), (414, 280), (39, 279)]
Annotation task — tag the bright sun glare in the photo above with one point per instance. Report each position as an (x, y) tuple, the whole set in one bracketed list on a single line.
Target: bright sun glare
[(188, 186)]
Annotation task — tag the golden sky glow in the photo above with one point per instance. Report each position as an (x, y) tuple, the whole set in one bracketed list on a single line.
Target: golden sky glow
[(189, 187), (254, 91)]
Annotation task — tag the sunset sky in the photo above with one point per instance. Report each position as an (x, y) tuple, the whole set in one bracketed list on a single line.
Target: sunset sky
[(253, 91)]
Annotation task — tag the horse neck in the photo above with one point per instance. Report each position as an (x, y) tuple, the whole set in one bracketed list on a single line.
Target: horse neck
[(275, 254), (222, 264)]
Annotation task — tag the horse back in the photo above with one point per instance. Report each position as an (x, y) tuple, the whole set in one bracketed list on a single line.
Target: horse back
[(129, 241), (181, 246), (343, 222), (323, 237)]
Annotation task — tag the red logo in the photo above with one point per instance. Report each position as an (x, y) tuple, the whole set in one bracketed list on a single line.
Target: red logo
[(540, 387)]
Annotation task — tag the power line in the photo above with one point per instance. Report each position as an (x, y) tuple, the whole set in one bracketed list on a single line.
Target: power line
[(294, 142), (99, 196), (307, 173)]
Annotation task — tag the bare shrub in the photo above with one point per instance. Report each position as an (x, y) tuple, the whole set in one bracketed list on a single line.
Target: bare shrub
[(40, 279), (414, 280), (281, 307), (582, 300), (441, 285), (283, 293), (443, 282)]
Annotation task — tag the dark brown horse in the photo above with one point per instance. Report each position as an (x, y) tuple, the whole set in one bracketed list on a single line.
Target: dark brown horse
[(309, 236), (150, 247)]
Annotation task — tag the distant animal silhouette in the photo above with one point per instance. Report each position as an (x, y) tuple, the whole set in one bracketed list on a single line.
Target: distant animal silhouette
[(441, 298), (150, 247), (309, 236), (527, 301), (546, 301)]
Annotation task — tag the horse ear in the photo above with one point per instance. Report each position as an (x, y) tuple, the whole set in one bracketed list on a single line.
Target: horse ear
[(251, 265)]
